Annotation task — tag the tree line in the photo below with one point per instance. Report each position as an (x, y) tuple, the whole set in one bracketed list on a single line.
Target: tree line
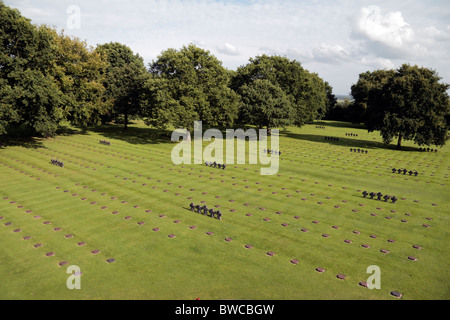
[(47, 77)]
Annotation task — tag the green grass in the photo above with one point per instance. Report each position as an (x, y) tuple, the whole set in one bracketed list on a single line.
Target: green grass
[(150, 265)]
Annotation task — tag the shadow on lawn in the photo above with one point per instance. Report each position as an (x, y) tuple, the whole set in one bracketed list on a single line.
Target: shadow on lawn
[(348, 142), (133, 135), (25, 142)]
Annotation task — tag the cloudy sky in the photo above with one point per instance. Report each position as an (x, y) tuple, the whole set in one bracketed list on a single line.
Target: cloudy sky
[(338, 39)]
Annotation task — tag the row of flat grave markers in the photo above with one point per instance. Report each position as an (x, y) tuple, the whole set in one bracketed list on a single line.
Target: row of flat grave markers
[(57, 163), (205, 211), (379, 195), (359, 150), (106, 143), (427, 150), (215, 165), (405, 171)]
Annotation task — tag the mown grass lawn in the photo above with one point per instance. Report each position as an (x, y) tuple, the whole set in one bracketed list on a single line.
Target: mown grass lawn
[(111, 198)]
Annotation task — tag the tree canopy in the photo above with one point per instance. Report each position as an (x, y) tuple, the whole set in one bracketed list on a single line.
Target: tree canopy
[(409, 103), (305, 92), (188, 85), (45, 77), (125, 80)]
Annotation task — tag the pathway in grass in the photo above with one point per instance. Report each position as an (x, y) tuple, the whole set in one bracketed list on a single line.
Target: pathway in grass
[(129, 203)]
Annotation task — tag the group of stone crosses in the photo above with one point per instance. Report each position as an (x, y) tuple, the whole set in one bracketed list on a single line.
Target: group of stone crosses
[(405, 171), (358, 150), (379, 195), (320, 127), (271, 151), (427, 150), (205, 211), (215, 165), (57, 163), (106, 143), (351, 134), (331, 138)]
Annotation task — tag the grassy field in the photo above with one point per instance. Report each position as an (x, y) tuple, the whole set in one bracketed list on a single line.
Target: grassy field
[(112, 198)]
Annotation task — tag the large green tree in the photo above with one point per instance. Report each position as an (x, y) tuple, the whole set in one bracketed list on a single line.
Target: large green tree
[(80, 73), (46, 77), (409, 103), (125, 80), (306, 91), (266, 105), (187, 85), (28, 93)]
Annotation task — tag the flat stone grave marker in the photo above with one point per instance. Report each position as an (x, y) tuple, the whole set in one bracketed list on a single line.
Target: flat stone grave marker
[(396, 294)]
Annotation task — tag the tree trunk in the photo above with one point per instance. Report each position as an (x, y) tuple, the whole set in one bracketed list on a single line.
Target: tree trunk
[(399, 142), (126, 121)]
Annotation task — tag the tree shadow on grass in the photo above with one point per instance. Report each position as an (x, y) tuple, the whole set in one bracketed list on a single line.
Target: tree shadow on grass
[(348, 142), (25, 142), (134, 135), (340, 124)]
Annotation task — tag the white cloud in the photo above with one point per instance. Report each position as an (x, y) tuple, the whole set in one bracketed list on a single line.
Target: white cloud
[(389, 29), (228, 49)]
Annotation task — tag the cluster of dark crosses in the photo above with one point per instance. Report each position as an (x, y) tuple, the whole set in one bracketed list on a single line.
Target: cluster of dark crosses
[(215, 165), (378, 196), (358, 150), (205, 211), (351, 134), (320, 127), (405, 171), (106, 143), (331, 138), (427, 150), (57, 163), (271, 151)]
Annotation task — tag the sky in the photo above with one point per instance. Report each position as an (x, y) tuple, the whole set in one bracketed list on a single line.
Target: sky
[(337, 39)]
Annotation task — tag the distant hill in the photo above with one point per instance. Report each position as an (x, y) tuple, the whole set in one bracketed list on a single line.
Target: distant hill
[(343, 96)]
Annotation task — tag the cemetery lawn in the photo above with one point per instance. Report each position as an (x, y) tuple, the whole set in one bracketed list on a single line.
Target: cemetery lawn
[(112, 198)]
